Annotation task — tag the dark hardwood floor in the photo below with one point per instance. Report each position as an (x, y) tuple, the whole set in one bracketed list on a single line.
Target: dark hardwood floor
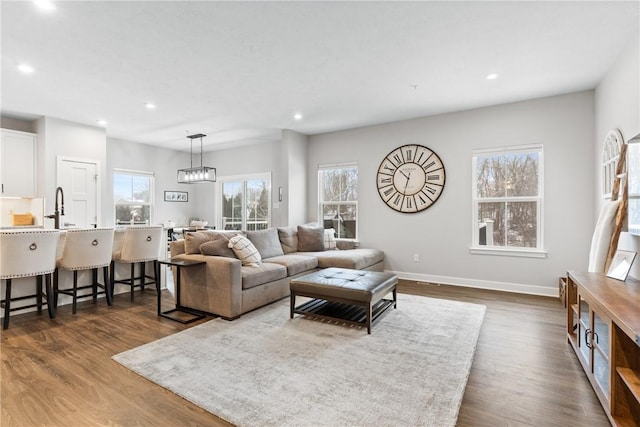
[(60, 373)]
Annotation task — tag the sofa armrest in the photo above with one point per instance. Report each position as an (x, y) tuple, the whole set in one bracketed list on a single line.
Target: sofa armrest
[(215, 287)]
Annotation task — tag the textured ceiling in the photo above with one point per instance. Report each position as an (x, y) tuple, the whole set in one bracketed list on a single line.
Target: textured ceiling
[(238, 71)]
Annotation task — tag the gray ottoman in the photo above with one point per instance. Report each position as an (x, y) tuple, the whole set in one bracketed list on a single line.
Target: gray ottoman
[(353, 296)]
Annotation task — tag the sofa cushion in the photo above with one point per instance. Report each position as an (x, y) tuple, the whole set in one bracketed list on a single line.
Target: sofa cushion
[(266, 242), (353, 258), (245, 251), (330, 239), (288, 239), (310, 238), (193, 240), (295, 263), (219, 246), (261, 274)]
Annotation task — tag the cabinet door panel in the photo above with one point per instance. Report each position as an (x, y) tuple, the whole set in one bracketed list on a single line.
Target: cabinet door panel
[(584, 329), (600, 340), (17, 157)]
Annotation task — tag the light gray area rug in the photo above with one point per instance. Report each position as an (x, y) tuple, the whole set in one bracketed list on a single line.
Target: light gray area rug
[(267, 370)]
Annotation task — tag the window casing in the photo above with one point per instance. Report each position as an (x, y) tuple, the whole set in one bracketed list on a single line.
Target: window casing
[(633, 175), (507, 200), (245, 202), (133, 197), (338, 199)]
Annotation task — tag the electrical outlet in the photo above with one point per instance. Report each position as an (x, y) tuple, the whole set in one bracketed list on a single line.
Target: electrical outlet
[(416, 258)]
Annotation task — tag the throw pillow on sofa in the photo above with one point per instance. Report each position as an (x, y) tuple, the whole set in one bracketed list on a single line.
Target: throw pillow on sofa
[(310, 238), (288, 239), (266, 242), (330, 239), (219, 246), (245, 251)]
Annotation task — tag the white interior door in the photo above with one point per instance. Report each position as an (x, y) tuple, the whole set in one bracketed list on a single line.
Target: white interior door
[(79, 181)]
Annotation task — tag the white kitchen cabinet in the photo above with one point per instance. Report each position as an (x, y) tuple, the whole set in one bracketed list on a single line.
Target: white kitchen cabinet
[(18, 163)]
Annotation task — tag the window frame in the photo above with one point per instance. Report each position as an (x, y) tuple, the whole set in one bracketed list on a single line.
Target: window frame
[(150, 203), (221, 180), (322, 203), (633, 182), (476, 248)]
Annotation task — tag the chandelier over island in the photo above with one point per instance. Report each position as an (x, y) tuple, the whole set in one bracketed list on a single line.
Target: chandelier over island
[(197, 174)]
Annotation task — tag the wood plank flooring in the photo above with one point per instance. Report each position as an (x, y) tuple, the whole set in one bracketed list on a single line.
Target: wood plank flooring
[(60, 373)]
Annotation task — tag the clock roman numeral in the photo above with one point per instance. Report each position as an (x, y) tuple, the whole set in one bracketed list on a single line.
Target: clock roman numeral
[(388, 191), (409, 202), (427, 195), (409, 152), (429, 189), (429, 165), (433, 177), (392, 170), (398, 159), (385, 180)]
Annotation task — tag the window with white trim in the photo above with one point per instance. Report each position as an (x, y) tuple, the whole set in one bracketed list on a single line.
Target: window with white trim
[(246, 202), (507, 198), (133, 197), (338, 199), (633, 175)]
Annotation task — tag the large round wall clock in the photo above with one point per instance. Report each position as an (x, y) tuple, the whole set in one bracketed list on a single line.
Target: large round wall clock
[(410, 178)]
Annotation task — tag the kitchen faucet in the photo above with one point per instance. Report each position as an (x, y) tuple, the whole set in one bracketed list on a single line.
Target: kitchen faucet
[(56, 213)]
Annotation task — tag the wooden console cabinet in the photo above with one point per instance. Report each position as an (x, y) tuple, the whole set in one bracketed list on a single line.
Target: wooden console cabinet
[(603, 327)]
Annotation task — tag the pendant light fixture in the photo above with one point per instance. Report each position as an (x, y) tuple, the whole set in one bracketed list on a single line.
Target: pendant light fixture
[(197, 174)]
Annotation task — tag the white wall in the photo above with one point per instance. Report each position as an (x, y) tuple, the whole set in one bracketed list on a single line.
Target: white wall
[(617, 103), (294, 172), (441, 235), (245, 160), (57, 137), (164, 164)]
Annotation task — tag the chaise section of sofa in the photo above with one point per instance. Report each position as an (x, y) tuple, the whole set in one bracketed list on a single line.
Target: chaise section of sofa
[(225, 287)]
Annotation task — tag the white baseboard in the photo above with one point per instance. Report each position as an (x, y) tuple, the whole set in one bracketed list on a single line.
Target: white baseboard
[(480, 284)]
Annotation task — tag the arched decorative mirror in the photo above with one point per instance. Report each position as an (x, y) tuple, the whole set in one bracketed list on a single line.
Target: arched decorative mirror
[(633, 175), (610, 156)]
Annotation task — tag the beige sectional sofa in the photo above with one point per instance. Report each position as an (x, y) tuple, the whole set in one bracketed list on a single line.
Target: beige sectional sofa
[(227, 288)]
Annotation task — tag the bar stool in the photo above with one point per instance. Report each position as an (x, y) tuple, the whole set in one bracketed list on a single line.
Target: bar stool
[(87, 249), (28, 254), (139, 246)]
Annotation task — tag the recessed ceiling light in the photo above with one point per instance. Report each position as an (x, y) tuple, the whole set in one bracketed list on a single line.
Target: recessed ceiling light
[(150, 105), (102, 122), (492, 76), (26, 68), (45, 4), (297, 116)]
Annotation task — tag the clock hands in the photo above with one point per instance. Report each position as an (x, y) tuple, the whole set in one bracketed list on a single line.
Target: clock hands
[(407, 184)]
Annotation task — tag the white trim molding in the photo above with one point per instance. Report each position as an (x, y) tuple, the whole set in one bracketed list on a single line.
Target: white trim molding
[(502, 251), (518, 288)]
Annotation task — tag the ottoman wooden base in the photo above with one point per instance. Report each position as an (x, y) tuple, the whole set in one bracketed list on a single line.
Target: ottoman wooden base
[(352, 296)]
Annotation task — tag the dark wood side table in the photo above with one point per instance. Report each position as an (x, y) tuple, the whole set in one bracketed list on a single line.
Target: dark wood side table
[(196, 315)]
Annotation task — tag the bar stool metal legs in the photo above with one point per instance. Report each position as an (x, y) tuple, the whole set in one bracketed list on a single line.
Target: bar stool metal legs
[(6, 302), (136, 281)]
